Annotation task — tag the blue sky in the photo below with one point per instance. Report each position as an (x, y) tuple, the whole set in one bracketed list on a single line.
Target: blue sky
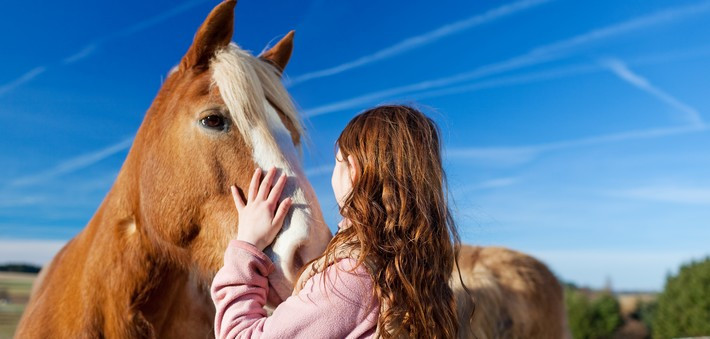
[(574, 130)]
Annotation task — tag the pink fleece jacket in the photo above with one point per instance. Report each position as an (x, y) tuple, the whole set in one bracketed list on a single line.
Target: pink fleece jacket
[(343, 307)]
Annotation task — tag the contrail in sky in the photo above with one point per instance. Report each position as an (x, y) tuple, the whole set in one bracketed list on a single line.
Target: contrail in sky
[(22, 79), (92, 47), (620, 69), (420, 40), (515, 155), (537, 55), (72, 164), (555, 73)]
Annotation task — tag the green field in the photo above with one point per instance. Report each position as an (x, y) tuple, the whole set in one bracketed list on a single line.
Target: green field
[(14, 293)]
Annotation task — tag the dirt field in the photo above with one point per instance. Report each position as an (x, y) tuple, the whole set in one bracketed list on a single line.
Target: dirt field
[(14, 292)]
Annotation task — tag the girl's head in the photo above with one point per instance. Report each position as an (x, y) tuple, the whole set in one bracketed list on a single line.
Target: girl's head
[(390, 185)]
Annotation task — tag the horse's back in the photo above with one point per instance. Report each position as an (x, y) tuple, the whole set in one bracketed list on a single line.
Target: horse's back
[(514, 295)]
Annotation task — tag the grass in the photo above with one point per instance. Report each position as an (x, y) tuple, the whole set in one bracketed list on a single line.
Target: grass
[(14, 292)]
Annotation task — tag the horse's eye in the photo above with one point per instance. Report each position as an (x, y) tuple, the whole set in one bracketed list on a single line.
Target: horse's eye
[(213, 122)]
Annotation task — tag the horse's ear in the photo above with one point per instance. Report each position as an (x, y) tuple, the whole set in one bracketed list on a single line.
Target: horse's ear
[(280, 53), (214, 33)]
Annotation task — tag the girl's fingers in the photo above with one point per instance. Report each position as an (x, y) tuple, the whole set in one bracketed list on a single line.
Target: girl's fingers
[(277, 190), (266, 184), (281, 212), (237, 198), (254, 185)]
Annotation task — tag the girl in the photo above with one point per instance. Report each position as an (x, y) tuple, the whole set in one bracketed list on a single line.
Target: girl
[(385, 273)]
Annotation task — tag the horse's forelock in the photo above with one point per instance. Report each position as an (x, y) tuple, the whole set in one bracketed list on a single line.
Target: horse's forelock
[(248, 85)]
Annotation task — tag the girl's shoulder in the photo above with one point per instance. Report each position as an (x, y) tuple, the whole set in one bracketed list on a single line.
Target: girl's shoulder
[(349, 265), (345, 282), (345, 274), (345, 269)]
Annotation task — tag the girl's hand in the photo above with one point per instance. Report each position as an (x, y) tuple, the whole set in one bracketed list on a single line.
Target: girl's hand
[(258, 224)]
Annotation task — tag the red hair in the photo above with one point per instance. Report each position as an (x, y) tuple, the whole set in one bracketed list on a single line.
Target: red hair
[(400, 223)]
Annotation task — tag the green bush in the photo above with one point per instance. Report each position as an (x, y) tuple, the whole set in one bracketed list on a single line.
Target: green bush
[(684, 306), (645, 313), (592, 318)]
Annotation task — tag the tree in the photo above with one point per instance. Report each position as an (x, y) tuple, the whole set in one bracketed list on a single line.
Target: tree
[(683, 308), (645, 313), (592, 317)]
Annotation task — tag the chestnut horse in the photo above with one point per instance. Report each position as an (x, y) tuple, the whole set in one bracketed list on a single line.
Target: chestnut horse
[(514, 295), (143, 265)]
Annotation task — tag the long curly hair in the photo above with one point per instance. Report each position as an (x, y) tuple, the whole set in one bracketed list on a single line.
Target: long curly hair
[(400, 222)]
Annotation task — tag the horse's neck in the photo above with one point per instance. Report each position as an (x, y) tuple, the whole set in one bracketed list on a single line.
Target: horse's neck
[(120, 284), (172, 301), (180, 308)]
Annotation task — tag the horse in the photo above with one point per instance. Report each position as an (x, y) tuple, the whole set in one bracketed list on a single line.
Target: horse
[(502, 293), (142, 266)]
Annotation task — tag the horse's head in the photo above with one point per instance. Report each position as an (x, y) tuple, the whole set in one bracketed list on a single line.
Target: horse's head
[(220, 114)]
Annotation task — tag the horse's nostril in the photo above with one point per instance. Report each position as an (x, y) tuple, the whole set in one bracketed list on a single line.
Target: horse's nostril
[(298, 260)]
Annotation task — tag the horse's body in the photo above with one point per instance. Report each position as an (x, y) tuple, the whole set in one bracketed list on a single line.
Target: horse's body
[(143, 265), (515, 296)]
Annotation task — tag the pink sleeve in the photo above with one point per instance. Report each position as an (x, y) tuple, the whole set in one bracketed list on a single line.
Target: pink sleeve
[(343, 307)]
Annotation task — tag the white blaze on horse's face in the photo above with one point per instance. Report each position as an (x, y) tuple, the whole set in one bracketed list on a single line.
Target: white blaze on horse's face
[(251, 89)]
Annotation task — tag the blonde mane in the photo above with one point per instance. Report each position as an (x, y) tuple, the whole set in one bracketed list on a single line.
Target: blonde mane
[(248, 86)]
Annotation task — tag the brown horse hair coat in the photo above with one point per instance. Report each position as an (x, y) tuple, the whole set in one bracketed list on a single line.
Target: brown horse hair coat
[(511, 295), (142, 266)]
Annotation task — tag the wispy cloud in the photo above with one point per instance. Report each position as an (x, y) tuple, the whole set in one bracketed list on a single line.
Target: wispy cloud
[(648, 267), (536, 55), (15, 201), (662, 16), (158, 19), (667, 194), (558, 72), (319, 170), (511, 80), (84, 192), (515, 155), (497, 156), (554, 73), (94, 46), (82, 53), (72, 164), (487, 184), (620, 69), (38, 252), (506, 156), (421, 40), (24, 78)]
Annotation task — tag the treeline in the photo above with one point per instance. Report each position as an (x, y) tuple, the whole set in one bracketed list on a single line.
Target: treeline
[(682, 309), (21, 268)]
